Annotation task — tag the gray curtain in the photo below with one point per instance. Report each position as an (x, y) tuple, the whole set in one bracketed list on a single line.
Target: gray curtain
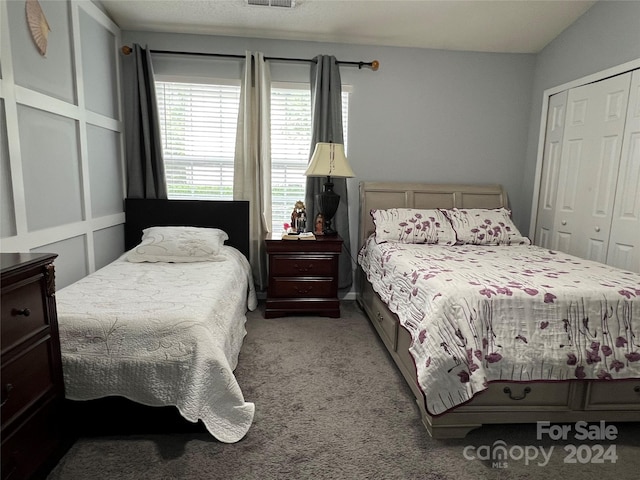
[(326, 118), (145, 165)]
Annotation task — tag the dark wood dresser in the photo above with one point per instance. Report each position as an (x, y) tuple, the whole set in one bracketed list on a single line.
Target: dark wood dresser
[(303, 276), (32, 386)]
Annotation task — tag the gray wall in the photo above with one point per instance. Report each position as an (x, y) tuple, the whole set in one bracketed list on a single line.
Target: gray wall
[(607, 35), (61, 138)]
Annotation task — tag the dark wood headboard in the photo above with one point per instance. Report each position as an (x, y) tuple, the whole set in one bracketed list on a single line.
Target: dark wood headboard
[(227, 215)]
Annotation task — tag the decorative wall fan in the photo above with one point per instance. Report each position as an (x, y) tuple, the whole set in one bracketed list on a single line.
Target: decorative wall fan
[(38, 25)]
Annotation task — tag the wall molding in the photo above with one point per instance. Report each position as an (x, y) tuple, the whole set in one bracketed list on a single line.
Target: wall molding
[(17, 96)]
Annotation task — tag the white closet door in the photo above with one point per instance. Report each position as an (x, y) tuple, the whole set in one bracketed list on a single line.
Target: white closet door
[(550, 167), (588, 173), (624, 244)]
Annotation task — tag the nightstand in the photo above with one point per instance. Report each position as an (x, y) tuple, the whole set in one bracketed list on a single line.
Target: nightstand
[(303, 276)]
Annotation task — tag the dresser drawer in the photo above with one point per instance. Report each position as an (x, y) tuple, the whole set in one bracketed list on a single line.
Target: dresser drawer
[(23, 312), (386, 322), (302, 265), (526, 394), (623, 394), (31, 378), (291, 287), (30, 451), (25, 379)]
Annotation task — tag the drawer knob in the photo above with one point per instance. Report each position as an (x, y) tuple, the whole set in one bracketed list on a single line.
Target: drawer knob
[(636, 389), (525, 392), (302, 290), (303, 269), (5, 390), (20, 311), (379, 316)]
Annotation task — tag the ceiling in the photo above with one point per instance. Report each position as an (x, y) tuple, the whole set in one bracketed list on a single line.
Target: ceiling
[(516, 26)]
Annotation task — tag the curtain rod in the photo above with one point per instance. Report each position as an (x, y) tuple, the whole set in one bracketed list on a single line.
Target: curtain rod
[(374, 65)]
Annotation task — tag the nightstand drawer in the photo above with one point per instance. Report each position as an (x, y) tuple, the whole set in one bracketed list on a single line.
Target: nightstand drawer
[(23, 313), (302, 265), (25, 379), (291, 287)]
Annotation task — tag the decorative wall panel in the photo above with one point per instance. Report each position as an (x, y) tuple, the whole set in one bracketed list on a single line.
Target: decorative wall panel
[(50, 164), (105, 171)]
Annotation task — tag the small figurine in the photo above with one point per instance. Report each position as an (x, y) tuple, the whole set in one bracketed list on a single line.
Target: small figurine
[(319, 225), (299, 217)]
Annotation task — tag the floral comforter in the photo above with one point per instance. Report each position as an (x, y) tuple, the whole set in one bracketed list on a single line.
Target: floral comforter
[(478, 314), (161, 334)]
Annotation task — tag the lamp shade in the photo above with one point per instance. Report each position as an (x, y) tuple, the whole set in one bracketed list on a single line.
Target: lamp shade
[(329, 160)]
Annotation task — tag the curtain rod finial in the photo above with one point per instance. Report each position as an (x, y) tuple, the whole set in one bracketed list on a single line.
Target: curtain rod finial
[(126, 49), (375, 65)]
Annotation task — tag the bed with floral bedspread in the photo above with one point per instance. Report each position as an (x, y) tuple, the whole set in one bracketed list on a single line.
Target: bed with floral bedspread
[(479, 313), (485, 327)]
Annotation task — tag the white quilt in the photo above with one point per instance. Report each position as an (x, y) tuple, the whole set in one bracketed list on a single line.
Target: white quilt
[(478, 314), (161, 334)]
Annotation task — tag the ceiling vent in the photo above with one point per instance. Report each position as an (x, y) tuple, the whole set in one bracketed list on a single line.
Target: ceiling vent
[(273, 3)]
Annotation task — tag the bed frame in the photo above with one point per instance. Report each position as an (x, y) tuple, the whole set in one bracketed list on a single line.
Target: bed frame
[(502, 402), (119, 415), (230, 216)]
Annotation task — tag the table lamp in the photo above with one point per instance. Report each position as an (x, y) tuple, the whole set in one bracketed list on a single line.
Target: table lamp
[(328, 160)]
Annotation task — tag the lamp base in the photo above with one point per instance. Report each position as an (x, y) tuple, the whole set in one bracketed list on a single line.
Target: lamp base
[(327, 203)]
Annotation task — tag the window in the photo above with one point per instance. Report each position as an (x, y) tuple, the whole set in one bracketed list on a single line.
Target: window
[(290, 147), (198, 124)]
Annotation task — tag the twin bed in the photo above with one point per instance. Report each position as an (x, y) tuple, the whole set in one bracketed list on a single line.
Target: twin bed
[(163, 324), (486, 328)]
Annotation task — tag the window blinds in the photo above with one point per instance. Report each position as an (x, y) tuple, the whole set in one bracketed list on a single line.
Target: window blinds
[(198, 126)]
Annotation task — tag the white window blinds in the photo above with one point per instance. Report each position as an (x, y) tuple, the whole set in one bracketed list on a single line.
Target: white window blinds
[(198, 124)]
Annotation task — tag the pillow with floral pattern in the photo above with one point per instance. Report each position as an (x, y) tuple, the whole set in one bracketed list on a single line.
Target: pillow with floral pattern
[(485, 226), (409, 225)]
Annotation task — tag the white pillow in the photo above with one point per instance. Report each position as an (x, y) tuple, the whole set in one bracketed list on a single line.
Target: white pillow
[(409, 225), (179, 245), (485, 226)]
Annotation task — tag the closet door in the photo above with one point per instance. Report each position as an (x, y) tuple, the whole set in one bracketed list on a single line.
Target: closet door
[(550, 166), (588, 170), (624, 244)]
